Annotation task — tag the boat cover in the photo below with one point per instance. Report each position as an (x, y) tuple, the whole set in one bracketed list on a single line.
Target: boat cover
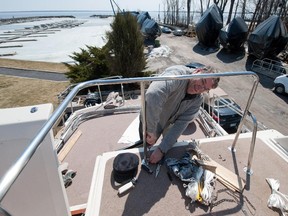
[(142, 16), (268, 39), (233, 35), (148, 27), (209, 26), (134, 13)]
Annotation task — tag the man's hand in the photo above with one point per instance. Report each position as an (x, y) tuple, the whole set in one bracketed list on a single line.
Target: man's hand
[(156, 156), (151, 138)]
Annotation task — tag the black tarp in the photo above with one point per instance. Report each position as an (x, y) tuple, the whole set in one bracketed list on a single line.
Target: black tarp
[(209, 26), (134, 13), (268, 39), (141, 17), (234, 35), (148, 27)]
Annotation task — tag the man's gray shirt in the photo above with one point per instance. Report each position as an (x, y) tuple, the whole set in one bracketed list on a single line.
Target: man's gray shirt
[(167, 105)]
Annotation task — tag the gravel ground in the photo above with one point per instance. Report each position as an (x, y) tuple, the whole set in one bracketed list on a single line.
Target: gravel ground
[(269, 108)]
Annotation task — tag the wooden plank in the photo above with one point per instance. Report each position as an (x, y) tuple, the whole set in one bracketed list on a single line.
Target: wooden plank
[(227, 184), (69, 145), (225, 176)]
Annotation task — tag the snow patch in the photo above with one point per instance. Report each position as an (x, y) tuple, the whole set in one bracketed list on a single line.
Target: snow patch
[(162, 51)]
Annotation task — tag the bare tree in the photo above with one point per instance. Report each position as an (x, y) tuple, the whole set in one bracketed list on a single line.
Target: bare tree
[(221, 4), (236, 9), (230, 12), (176, 8), (188, 11), (172, 12), (243, 9), (266, 8), (252, 23), (208, 4)]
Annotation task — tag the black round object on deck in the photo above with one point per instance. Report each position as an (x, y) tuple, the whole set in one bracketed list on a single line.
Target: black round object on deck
[(125, 167)]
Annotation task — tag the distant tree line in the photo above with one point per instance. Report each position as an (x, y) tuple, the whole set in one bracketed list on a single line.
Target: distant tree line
[(180, 12)]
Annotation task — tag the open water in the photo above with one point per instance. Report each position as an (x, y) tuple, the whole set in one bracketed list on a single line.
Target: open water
[(156, 15), (77, 14)]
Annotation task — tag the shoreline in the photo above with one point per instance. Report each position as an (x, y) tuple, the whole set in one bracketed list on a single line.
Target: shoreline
[(7, 21)]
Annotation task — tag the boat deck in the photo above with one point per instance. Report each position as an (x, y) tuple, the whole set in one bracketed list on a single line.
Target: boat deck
[(166, 196), (95, 141), (91, 150)]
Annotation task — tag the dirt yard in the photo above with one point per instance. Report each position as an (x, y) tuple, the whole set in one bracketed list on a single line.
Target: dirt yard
[(269, 108)]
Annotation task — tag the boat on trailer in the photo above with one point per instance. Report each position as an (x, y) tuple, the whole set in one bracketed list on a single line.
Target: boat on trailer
[(32, 157)]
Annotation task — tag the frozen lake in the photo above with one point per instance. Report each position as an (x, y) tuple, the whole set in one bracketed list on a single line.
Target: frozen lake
[(53, 46)]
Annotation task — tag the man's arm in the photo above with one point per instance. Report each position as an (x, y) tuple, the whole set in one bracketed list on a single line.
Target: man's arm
[(156, 97), (181, 123), (171, 136)]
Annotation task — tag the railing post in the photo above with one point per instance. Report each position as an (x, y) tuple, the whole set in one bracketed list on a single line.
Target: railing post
[(143, 107), (251, 96), (123, 94), (248, 169)]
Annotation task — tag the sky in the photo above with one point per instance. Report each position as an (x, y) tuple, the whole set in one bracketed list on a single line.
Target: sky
[(32, 5)]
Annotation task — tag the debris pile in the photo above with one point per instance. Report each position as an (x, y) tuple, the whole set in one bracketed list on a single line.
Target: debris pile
[(162, 51)]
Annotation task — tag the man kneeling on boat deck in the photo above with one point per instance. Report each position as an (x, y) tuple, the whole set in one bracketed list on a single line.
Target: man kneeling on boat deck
[(172, 105)]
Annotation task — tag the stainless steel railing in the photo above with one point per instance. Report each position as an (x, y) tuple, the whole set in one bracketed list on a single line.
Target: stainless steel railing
[(269, 67), (15, 170)]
